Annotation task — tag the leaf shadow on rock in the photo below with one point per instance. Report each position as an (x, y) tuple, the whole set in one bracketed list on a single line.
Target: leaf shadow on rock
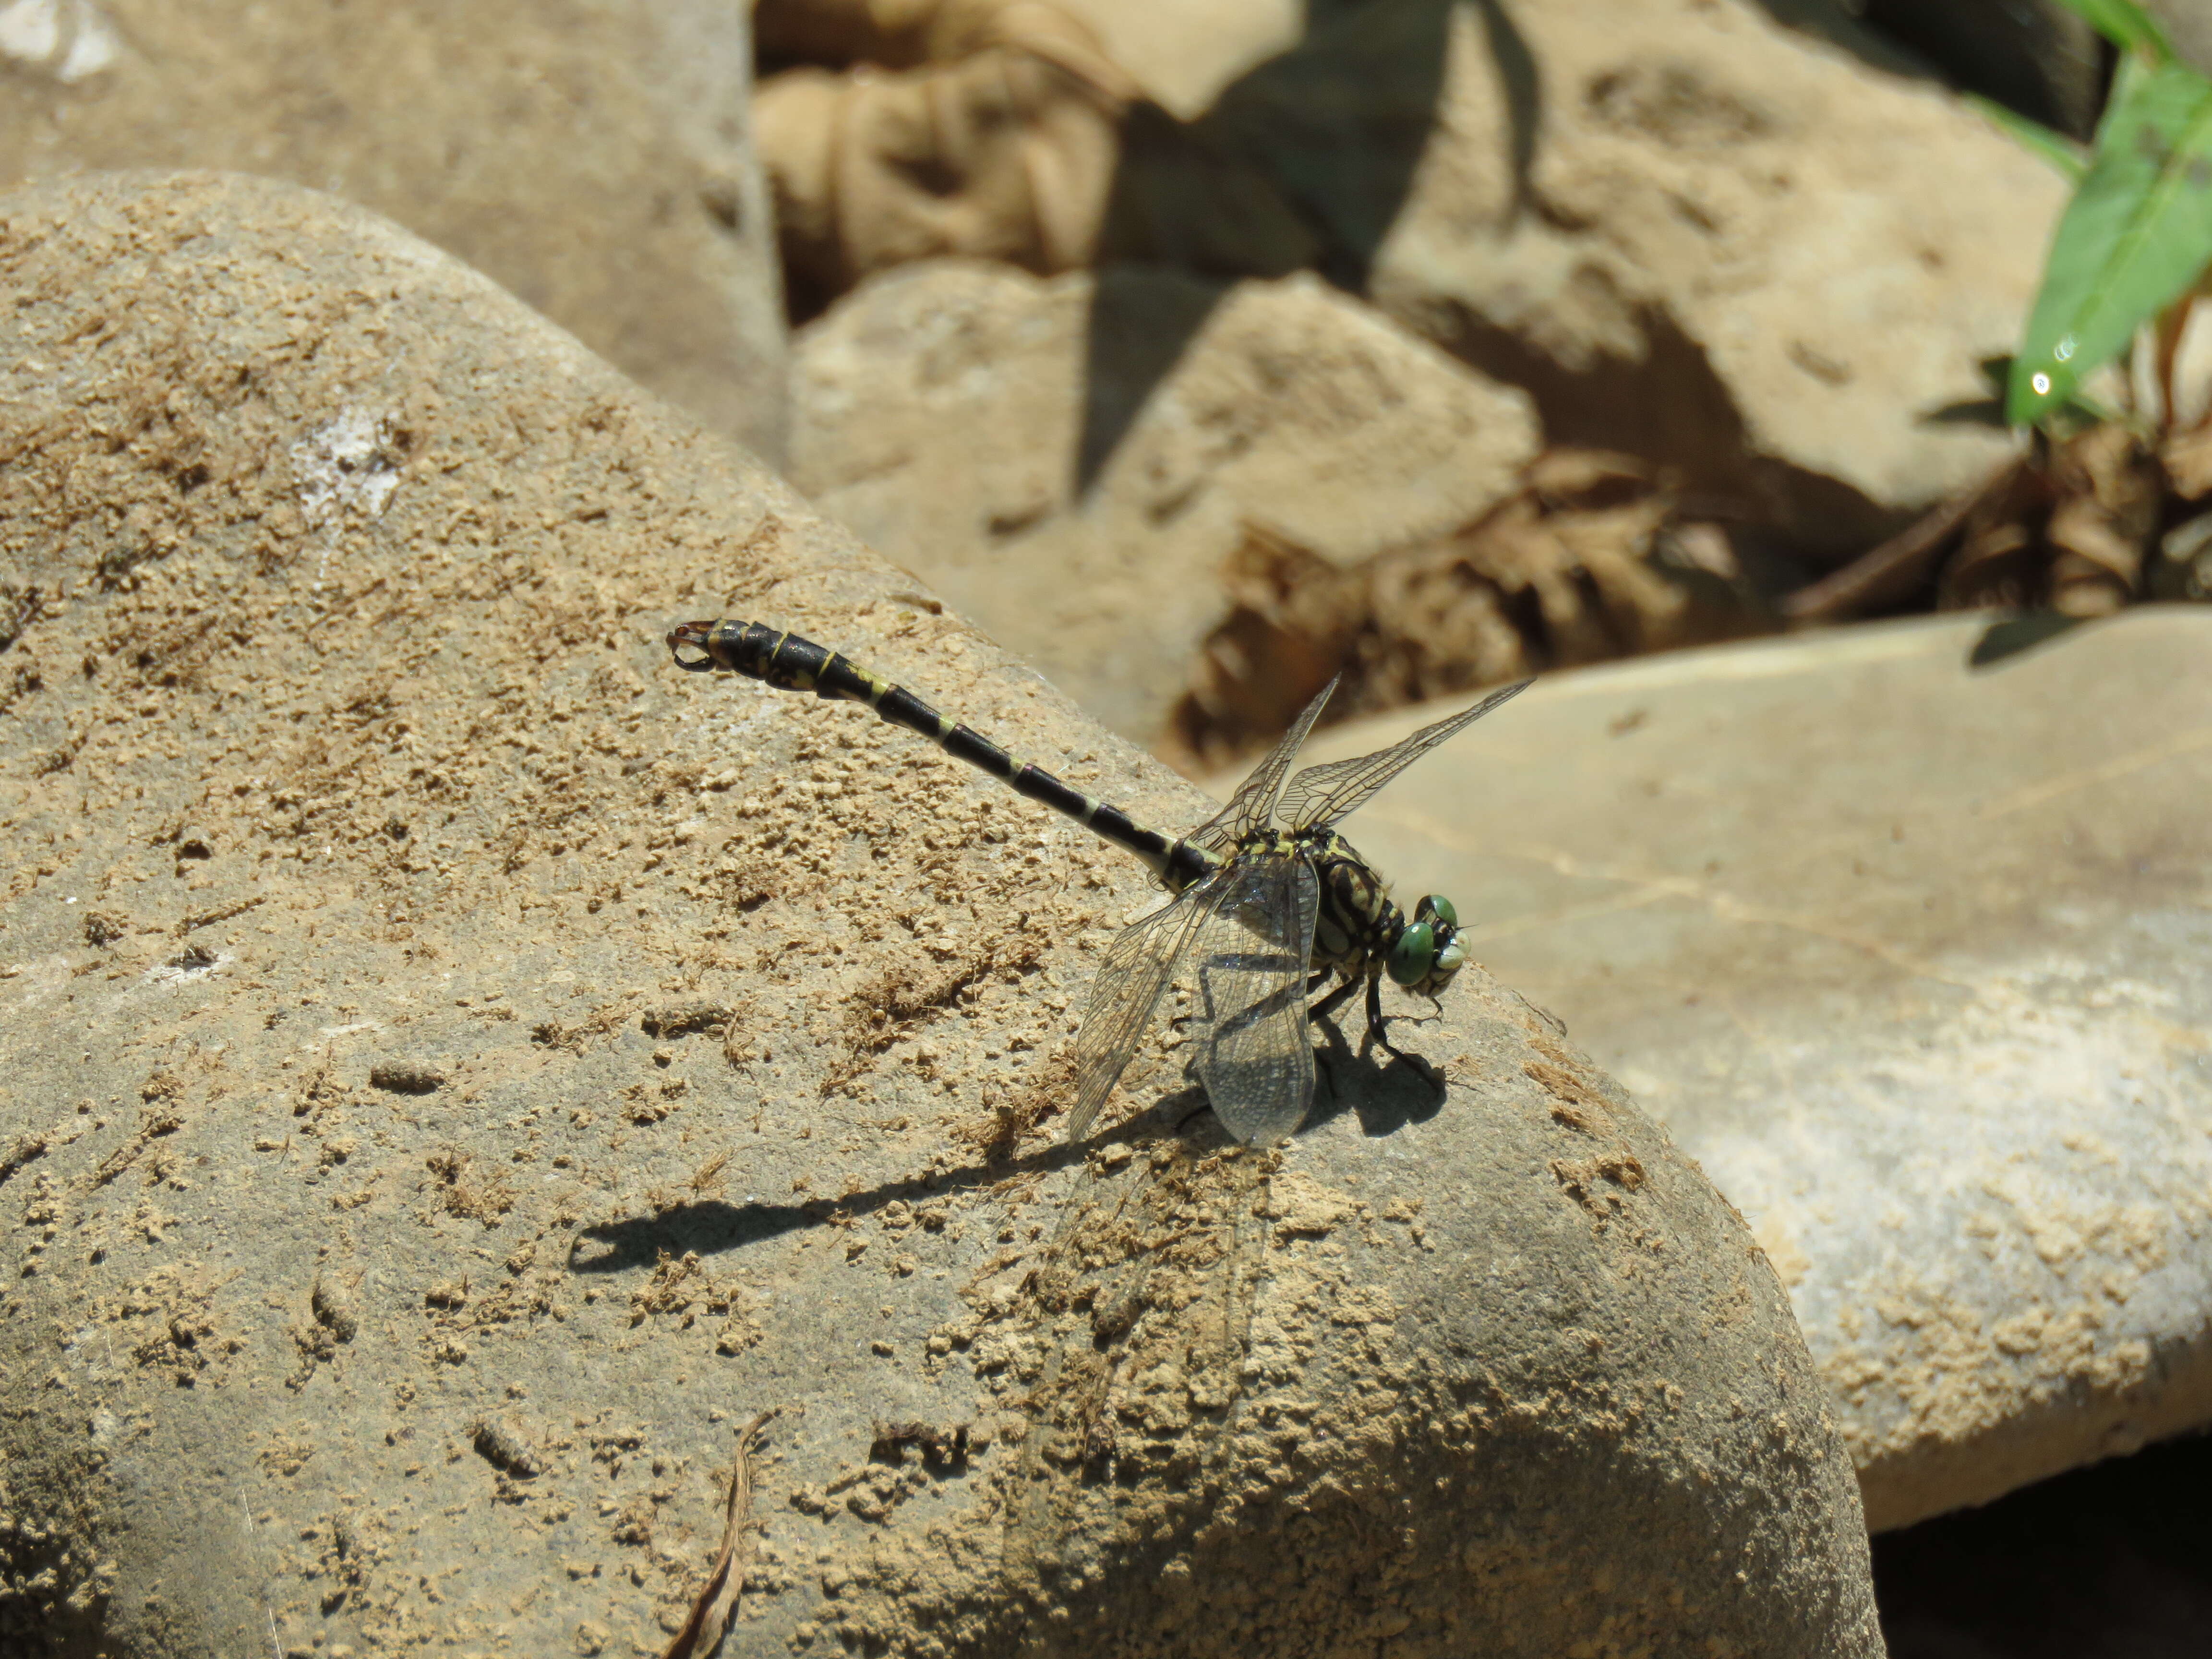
[(1303, 162), (1672, 408), (2012, 636)]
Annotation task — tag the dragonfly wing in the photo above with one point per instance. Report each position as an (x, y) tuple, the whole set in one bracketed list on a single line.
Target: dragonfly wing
[(1252, 951), (1139, 966), (1332, 792), (1253, 803)]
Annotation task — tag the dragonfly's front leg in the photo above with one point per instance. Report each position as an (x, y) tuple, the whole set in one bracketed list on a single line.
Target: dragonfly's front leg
[(1378, 1030), (1329, 1003)]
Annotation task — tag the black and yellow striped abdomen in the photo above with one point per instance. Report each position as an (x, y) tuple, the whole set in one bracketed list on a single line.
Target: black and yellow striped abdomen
[(793, 664)]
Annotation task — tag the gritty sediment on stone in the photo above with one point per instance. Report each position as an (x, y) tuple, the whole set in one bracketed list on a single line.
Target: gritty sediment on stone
[(749, 1019)]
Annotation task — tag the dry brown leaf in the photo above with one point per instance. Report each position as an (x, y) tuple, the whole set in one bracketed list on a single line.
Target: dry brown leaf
[(2069, 533), (937, 146), (2067, 526), (1587, 562), (2187, 457), (717, 1601)]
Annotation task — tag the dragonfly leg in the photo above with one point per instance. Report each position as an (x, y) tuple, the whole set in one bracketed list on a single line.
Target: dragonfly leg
[(1436, 1012), (1329, 1003), (1246, 962), (1378, 1030)]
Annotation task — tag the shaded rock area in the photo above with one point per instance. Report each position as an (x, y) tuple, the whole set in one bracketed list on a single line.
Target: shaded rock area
[(1072, 466), (455, 1070), (592, 158), (2113, 1562), (1911, 953), (2036, 57), (1695, 235), (1763, 266)]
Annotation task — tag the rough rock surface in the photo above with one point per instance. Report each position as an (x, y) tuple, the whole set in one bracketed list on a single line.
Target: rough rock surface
[(1696, 235), (591, 157), (1912, 957), (1038, 452), (1184, 52), (457, 1069), (1754, 240)]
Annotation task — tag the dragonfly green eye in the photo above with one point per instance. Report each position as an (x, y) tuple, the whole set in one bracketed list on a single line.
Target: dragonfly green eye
[(1413, 954), (1437, 907)]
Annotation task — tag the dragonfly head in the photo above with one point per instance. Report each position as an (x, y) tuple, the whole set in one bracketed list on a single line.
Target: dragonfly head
[(1428, 953)]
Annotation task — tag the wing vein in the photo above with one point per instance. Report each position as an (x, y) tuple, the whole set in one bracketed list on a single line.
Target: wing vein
[(1138, 966), (1333, 792)]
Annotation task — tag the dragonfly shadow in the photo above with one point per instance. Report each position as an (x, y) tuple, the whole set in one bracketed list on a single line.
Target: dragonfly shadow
[(1384, 1097), (1189, 1115), (715, 1226)]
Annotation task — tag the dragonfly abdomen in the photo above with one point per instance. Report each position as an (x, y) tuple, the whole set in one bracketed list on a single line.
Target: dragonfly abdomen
[(791, 662)]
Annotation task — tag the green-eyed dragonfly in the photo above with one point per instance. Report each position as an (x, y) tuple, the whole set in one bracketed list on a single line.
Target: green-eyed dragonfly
[(1268, 901)]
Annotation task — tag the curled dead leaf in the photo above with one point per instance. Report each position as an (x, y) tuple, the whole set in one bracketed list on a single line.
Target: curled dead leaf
[(1592, 559)]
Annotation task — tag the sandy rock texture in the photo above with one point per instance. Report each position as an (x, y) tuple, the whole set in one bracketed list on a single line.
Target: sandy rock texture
[(1183, 54), (1912, 955), (1752, 240), (455, 1070), (1695, 235), (592, 158), (1072, 461)]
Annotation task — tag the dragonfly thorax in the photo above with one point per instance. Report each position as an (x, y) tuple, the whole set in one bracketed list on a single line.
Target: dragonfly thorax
[(1359, 932)]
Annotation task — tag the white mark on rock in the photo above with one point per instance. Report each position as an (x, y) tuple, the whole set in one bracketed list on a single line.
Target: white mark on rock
[(68, 39), (193, 964), (346, 476)]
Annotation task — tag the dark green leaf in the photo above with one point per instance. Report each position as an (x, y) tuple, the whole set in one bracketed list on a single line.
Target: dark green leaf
[(2136, 235)]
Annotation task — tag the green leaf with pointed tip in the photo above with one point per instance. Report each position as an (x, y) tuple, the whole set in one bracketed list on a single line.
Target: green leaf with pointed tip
[(2056, 148), (2126, 25), (2137, 235)]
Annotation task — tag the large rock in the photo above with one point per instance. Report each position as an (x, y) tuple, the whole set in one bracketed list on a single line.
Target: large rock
[(1184, 52), (1072, 461), (1756, 241), (398, 1250), (593, 158), (1913, 958), (1696, 235)]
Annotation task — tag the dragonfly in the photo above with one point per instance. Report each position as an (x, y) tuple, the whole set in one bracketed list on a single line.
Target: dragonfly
[(1268, 901)]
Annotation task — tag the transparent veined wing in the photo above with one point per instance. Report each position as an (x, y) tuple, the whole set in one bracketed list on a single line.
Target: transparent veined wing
[(1252, 807), (1251, 951), (1331, 793), (1138, 966)]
